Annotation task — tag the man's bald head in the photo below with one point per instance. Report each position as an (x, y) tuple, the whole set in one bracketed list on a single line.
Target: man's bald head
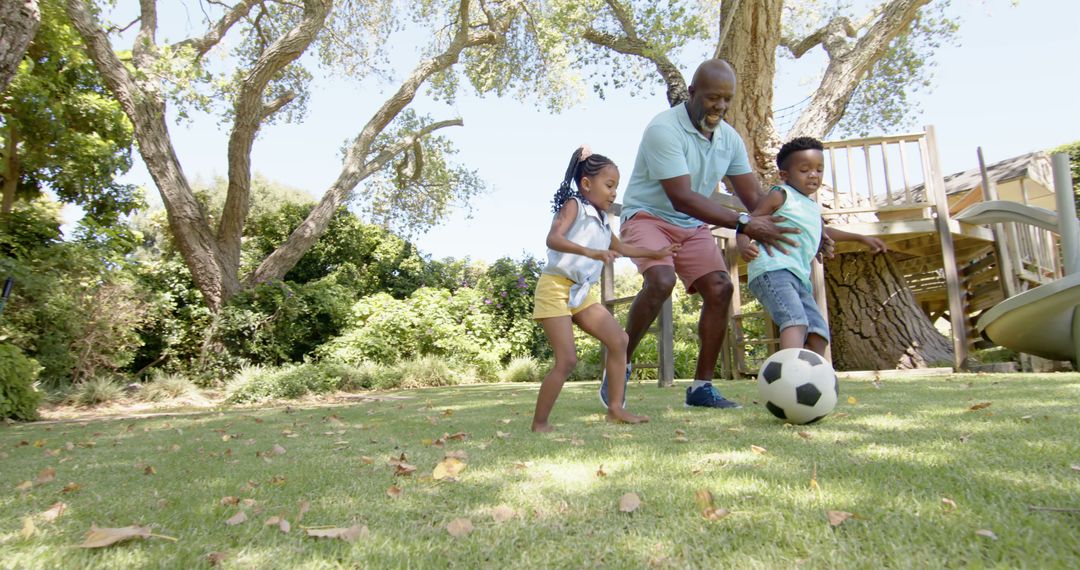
[(710, 95), (713, 70)]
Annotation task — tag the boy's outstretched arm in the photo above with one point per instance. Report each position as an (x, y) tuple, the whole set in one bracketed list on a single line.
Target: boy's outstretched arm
[(874, 244)]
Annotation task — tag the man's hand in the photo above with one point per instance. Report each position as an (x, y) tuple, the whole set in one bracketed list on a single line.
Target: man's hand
[(768, 234)]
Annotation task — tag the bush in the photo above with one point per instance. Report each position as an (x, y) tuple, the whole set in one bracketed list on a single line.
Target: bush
[(522, 369), (97, 390), (167, 386), (423, 372), (18, 398), (256, 383)]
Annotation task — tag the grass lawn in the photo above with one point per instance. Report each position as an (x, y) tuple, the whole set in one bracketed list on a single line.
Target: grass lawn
[(929, 481)]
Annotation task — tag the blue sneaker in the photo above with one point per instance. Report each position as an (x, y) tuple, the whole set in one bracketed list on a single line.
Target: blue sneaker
[(708, 397), (603, 387)]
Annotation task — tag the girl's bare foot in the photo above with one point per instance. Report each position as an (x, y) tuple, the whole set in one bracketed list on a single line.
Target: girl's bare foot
[(623, 416), (542, 427)]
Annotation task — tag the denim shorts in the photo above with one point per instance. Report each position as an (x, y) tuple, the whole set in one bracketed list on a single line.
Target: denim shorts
[(789, 302)]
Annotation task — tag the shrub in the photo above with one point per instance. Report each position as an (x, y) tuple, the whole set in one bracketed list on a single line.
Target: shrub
[(18, 398), (426, 371), (96, 390), (256, 383), (522, 369), (167, 386)]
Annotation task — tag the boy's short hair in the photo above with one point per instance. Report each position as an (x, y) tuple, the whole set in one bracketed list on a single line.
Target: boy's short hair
[(796, 145)]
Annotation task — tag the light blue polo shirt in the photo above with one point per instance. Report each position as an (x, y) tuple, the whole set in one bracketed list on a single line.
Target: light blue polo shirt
[(672, 147)]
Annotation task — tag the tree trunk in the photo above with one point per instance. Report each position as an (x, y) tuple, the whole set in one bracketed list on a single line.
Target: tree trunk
[(11, 169), (874, 319), (750, 47), (19, 21)]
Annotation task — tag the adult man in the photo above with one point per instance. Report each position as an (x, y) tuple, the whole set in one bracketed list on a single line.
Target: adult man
[(684, 153)]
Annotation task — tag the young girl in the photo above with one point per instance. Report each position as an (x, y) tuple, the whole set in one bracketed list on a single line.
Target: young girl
[(579, 243)]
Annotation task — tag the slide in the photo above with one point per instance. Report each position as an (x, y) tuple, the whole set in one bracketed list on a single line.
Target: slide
[(1044, 321)]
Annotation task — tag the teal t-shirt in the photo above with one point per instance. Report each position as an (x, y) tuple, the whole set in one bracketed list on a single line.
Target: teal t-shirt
[(801, 212), (672, 147)]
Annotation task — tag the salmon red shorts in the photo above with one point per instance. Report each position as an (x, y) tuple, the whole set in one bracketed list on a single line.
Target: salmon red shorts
[(698, 257)]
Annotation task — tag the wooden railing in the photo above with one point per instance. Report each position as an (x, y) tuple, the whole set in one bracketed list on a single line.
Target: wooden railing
[(876, 174)]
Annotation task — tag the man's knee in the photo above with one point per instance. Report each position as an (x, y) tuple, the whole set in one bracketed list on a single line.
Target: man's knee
[(659, 282), (716, 287)]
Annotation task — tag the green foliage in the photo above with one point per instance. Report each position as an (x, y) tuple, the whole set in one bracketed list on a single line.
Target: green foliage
[(167, 386), (421, 372), (74, 139), (1073, 150), (258, 383), (73, 307), (523, 369), (430, 322), (96, 390), (508, 287), (18, 398)]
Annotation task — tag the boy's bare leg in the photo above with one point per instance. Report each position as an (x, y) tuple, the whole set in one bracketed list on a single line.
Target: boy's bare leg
[(816, 343), (794, 337), (599, 323), (560, 334)]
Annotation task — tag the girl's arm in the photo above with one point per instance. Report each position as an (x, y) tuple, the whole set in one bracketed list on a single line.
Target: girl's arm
[(635, 251), (556, 238), (875, 244), (765, 207)]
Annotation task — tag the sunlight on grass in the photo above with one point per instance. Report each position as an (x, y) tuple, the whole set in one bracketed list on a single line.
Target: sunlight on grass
[(891, 458)]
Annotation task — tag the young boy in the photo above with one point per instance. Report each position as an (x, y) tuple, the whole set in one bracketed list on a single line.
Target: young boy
[(781, 281)]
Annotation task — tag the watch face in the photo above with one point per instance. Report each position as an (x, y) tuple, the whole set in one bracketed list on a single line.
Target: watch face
[(744, 218)]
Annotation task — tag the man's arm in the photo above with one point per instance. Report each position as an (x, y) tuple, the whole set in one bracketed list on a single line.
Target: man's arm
[(685, 200)]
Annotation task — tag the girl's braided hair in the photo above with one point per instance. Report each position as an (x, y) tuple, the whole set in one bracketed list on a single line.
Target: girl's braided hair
[(579, 168)]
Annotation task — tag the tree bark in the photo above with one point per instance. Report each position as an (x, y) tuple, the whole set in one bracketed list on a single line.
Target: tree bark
[(750, 47), (19, 21), (874, 319)]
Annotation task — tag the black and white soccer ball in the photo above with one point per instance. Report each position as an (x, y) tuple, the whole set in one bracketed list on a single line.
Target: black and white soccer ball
[(798, 386)]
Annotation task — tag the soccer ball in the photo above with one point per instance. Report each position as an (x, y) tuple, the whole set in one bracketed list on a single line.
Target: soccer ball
[(798, 386)]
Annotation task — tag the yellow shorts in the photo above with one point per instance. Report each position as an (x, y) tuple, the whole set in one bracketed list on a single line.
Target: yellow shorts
[(552, 298)]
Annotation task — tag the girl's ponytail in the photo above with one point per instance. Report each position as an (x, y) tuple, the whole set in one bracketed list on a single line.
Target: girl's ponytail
[(582, 163)]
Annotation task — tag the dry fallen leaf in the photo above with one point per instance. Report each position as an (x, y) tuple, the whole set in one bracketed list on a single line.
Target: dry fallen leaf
[(277, 450), (24, 486), (980, 406), (948, 504), (502, 434), (71, 487), (837, 518), (46, 475), (53, 512), (236, 519), (600, 472), (305, 506), (680, 432), (404, 469), (523, 465), (277, 480), (279, 522), (101, 537), (681, 439), (459, 527), (28, 528), (215, 558), (448, 467), (394, 492), (502, 513), (149, 470), (851, 400), (366, 460), (1075, 468), (806, 435), (347, 534), (986, 533), (230, 500), (758, 449), (458, 454), (629, 502)]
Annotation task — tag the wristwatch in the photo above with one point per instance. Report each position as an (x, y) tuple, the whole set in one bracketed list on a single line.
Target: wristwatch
[(744, 220)]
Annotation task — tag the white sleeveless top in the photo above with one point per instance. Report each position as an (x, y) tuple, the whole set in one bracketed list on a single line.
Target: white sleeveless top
[(590, 229)]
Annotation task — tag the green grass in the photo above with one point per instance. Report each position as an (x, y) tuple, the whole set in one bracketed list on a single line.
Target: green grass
[(890, 458)]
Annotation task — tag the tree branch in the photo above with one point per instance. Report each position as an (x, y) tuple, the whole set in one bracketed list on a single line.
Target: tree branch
[(249, 112), (214, 35), (274, 106)]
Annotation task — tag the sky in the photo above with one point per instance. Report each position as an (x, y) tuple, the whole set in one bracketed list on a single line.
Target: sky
[(1008, 85)]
